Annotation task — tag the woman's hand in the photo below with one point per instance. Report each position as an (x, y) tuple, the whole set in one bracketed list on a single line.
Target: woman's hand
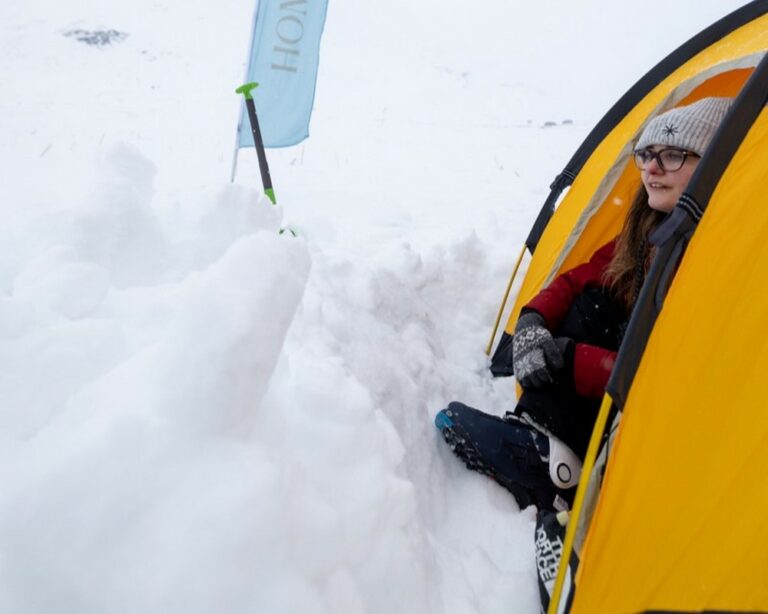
[(536, 356)]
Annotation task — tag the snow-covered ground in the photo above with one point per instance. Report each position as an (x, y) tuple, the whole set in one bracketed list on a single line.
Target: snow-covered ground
[(200, 415)]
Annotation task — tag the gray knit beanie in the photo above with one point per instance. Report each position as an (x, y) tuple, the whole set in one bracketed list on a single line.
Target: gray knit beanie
[(691, 127)]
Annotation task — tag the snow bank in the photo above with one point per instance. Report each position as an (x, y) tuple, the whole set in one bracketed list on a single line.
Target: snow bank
[(178, 418), (136, 350)]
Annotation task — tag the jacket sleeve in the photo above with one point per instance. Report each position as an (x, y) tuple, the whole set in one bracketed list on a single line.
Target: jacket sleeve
[(554, 301), (592, 366)]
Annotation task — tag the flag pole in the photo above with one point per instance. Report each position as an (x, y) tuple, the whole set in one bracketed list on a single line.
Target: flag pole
[(234, 158), (266, 180)]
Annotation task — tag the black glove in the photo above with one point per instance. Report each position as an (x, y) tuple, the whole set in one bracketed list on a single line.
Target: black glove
[(536, 356)]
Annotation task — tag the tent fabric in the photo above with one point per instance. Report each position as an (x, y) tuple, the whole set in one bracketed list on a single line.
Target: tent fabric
[(592, 210), (704, 39), (679, 523), (673, 235)]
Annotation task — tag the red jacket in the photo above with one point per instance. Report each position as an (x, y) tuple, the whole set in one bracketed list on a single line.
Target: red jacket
[(592, 365)]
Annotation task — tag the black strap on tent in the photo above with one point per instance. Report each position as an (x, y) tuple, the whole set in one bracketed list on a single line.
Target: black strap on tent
[(673, 235), (637, 92), (562, 181)]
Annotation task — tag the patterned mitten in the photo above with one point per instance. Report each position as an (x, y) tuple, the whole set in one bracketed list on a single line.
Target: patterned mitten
[(535, 354)]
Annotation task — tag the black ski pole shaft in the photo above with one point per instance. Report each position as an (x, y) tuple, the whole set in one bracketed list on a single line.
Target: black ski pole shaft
[(266, 180)]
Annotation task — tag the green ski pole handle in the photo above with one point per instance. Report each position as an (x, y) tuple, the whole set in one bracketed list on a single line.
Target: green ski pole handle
[(266, 180)]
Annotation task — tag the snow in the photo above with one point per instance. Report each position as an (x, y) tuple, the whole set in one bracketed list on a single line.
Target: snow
[(200, 414)]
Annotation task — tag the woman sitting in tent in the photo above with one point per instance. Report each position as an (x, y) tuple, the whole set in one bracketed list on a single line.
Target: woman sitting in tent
[(567, 337)]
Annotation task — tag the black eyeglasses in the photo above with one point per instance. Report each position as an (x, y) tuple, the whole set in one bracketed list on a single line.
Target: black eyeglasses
[(670, 159)]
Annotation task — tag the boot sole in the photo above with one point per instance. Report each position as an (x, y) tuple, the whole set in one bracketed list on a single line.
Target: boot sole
[(461, 445)]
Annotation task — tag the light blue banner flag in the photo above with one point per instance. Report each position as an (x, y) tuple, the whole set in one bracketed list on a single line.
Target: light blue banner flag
[(284, 56)]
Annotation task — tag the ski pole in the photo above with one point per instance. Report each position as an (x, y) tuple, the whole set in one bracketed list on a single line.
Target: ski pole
[(266, 180)]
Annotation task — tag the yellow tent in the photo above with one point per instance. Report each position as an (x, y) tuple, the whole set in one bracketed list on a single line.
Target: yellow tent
[(600, 176), (679, 522), (676, 525)]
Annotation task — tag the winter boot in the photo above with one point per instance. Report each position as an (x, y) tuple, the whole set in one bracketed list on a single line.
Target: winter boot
[(508, 450)]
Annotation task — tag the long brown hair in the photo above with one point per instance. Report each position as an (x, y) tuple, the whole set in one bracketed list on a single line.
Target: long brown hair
[(632, 257)]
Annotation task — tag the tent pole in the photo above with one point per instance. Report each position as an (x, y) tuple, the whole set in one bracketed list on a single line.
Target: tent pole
[(581, 491), (504, 301)]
